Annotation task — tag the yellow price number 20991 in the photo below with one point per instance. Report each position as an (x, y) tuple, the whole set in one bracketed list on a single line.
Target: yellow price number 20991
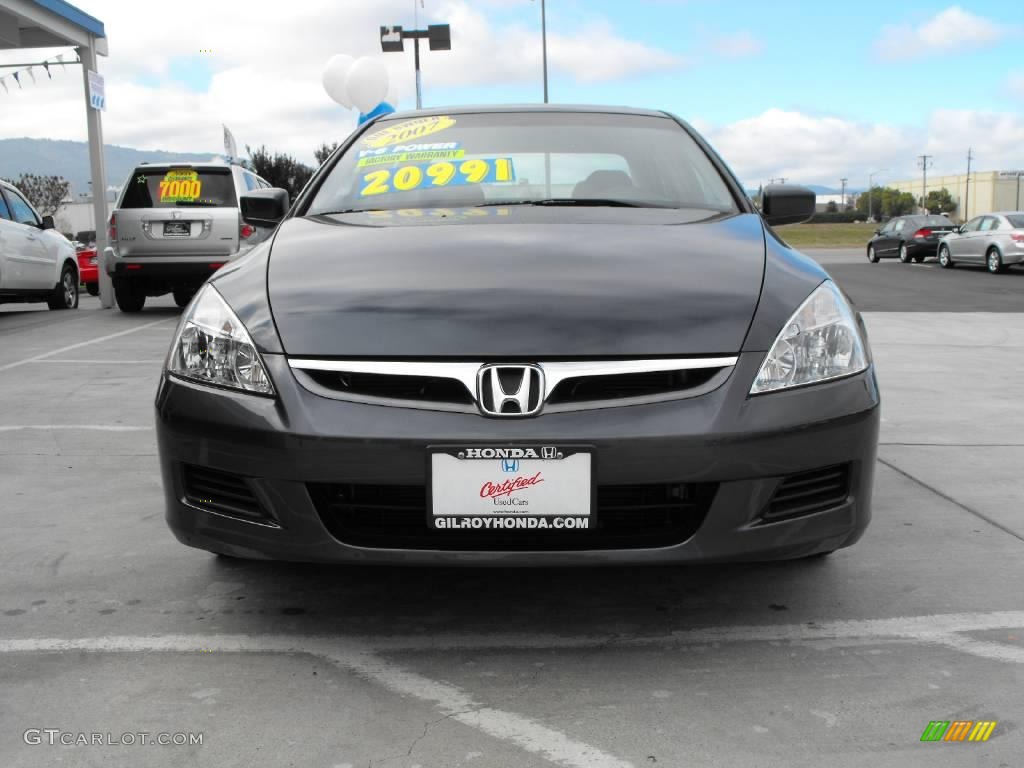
[(439, 174)]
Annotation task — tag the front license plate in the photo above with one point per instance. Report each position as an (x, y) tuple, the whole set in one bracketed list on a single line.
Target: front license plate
[(177, 228), (507, 488)]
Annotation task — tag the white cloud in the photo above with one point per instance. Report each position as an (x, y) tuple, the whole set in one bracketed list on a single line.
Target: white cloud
[(951, 31), (266, 76), (737, 45), (811, 149), (1015, 84)]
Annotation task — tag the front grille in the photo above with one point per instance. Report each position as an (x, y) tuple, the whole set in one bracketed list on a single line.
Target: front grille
[(452, 385), (627, 517), (221, 492), (581, 389), (809, 492), (419, 388)]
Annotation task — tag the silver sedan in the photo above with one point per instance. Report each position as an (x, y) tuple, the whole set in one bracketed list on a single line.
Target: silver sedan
[(995, 240)]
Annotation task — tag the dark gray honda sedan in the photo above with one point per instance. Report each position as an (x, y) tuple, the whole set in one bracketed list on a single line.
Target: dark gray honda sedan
[(520, 336)]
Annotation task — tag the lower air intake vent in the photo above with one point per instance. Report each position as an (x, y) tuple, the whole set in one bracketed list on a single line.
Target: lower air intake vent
[(221, 492), (627, 517), (809, 492)]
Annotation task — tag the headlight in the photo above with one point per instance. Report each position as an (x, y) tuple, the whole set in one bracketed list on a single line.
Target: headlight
[(820, 341), (213, 347)]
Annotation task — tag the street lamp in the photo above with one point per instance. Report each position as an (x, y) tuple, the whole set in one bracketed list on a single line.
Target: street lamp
[(392, 40), (871, 190)]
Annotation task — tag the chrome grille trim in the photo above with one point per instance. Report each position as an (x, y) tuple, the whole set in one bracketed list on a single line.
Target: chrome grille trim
[(554, 373)]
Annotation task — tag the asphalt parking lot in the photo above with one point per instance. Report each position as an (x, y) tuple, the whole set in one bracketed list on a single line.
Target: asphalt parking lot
[(108, 625)]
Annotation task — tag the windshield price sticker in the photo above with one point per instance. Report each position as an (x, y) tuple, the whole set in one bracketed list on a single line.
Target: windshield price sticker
[(440, 174), (180, 186), (409, 130)]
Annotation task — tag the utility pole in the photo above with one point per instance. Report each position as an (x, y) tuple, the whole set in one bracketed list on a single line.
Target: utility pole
[(924, 162), (967, 194), (842, 194)]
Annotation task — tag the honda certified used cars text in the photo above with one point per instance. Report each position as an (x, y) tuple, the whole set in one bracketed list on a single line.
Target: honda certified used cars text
[(520, 336)]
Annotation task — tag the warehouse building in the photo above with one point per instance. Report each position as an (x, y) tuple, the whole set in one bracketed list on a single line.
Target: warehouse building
[(986, 191)]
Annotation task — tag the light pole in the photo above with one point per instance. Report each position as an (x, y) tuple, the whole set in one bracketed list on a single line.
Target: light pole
[(842, 194), (392, 40), (544, 46), (871, 190), (924, 162)]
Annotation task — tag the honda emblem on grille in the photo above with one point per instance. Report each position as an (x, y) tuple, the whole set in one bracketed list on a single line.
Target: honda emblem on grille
[(510, 390)]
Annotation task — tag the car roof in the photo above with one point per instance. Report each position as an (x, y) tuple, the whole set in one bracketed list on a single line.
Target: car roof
[(187, 164), (504, 108)]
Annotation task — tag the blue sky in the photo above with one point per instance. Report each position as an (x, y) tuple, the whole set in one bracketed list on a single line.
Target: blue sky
[(809, 90), (814, 57)]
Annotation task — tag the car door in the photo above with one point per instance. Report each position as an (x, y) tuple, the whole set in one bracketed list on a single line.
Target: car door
[(960, 247), (884, 240), (987, 232), (896, 236), (26, 259)]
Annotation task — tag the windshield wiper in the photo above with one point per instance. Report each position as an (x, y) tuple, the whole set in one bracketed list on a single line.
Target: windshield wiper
[(592, 202), (197, 203), (348, 210)]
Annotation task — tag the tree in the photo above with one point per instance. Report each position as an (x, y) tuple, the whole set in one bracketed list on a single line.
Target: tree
[(279, 169), (324, 151), (940, 201), (46, 193), (831, 207), (886, 202)]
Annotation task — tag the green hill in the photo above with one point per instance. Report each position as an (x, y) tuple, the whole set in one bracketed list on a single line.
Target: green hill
[(70, 159)]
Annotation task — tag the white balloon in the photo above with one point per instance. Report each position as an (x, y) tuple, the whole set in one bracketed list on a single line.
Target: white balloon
[(367, 83), (335, 76)]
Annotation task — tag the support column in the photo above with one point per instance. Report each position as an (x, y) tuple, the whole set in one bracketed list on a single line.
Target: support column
[(99, 174)]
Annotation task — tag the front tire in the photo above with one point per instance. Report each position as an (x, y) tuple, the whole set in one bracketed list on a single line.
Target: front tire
[(945, 260), (131, 297), (994, 261), (65, 294), (872, 256), (904, 254)]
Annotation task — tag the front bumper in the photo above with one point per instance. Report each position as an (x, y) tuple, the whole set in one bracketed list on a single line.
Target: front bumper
[(743, 446)]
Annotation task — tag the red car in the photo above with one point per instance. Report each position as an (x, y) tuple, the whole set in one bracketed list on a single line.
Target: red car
[(88, 271)]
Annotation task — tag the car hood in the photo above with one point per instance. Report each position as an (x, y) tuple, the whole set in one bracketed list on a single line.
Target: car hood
[(530, 287)]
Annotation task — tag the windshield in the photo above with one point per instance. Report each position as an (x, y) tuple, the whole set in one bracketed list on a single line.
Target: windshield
[(543, 158), (1016, 220), (175, 187)]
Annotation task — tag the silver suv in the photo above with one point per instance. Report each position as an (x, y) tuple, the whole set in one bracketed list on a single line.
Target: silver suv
[(174, 225)]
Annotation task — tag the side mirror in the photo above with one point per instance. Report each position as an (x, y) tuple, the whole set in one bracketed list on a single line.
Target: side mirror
[(47, 223), (264, 207), (786, 204), (878, 231)]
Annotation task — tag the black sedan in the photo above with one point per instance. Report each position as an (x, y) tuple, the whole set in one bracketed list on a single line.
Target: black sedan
[(909, 238), (520, 336)]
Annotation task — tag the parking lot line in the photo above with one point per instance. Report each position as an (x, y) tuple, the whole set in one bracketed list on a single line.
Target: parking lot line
[(362, 656), (97, 340), (951, 500)]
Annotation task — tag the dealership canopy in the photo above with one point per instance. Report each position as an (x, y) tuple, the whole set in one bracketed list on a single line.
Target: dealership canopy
[(27, 24)]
